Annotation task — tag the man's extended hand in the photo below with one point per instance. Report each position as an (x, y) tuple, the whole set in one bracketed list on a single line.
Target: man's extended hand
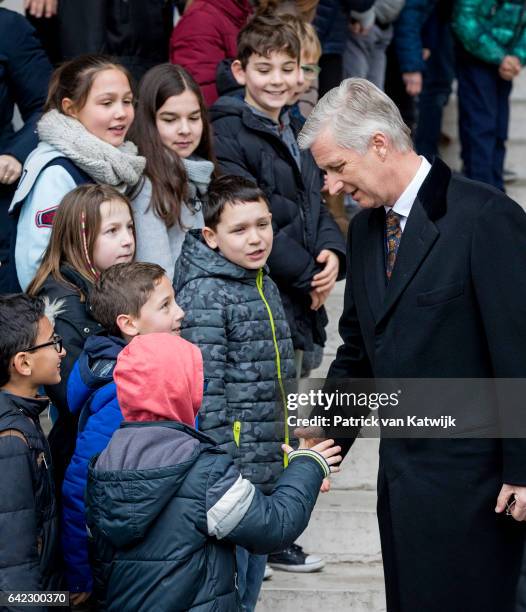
[(41, 8), (518, 507)]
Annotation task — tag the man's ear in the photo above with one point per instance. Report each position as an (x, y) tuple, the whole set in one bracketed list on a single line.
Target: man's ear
[(21, 362), (238, 72), (126, 324), (68, 107), (210, 237), (380, 144)]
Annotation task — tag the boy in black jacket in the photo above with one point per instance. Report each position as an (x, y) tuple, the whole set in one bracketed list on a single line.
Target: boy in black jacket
[(30, 356), (256, 138)]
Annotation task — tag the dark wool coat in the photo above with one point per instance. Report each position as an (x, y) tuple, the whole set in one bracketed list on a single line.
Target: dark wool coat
[(30, 559), (227, 318), (247, 145), (454, 308), (165, 509)]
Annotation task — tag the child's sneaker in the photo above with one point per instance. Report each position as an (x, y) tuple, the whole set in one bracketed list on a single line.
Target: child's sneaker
[(294, 559), (269, 572)]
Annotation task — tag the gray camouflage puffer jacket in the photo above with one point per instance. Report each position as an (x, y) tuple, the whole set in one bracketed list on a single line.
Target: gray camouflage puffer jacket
[(236, 318)]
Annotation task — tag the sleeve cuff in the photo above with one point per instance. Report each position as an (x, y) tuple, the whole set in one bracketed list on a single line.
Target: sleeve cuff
[(307, 452)]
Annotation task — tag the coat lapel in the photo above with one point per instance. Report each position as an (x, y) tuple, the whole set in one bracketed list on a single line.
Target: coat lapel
[(419, 235)]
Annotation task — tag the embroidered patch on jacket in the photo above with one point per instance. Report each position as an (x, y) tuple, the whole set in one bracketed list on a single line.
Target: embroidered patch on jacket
[(44, 218)]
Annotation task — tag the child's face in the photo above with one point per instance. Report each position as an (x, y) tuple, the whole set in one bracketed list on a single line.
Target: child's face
[(180, 124), (243, 235), (269, 81), (161, 313), (306, 77), (115, 242), (108, 112), (43, 364)]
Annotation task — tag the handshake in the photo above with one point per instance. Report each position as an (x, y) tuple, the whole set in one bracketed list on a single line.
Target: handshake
[(313, 438)]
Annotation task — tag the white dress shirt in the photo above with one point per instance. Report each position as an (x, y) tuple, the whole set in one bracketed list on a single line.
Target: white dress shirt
[(405, 202)]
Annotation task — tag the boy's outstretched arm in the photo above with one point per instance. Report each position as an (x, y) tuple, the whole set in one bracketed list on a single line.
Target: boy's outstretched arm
[(262, 524)]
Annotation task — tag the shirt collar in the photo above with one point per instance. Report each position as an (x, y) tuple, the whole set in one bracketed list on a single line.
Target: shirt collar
[(405, 202)]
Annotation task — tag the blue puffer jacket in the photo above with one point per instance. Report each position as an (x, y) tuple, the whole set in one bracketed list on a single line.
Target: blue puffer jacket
[(408, 34), (92, 396)]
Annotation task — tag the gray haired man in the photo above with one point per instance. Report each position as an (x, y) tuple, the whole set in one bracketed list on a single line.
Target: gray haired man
[(435, 289)]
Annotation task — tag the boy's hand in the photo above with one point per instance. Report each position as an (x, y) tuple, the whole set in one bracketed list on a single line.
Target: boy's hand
[(327, 450), (79, 598), (509, 67), (318, 299), (326, 279), (10, 169), (325, 486)]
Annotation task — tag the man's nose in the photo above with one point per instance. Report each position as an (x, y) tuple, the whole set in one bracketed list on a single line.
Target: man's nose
[(334, 185)]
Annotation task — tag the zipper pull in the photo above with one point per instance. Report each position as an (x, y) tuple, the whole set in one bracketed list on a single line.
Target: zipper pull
[(237, 432)]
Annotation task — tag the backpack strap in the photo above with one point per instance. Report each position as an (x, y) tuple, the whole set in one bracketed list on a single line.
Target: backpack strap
[(79, 176)]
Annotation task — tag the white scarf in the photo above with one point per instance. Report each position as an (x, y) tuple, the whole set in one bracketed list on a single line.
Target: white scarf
[(117, 166)]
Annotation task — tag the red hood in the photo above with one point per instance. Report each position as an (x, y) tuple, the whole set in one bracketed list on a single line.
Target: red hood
[(237, 11), (159, 377)]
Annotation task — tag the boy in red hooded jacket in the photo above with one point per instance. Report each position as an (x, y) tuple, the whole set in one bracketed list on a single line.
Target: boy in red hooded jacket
[(166, 507)]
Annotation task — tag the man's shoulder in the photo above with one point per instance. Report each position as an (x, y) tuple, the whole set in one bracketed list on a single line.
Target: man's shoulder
[(473, 198)]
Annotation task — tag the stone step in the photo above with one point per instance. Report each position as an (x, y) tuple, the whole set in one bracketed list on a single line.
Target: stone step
[(344, 528), (359, 468), (340, 586)]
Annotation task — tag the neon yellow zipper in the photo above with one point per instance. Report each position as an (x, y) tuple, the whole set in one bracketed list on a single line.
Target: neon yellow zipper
[(259, 285), (236, 428)]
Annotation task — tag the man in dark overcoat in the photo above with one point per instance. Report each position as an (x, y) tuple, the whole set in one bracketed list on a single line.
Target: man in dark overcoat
[(436, 288)]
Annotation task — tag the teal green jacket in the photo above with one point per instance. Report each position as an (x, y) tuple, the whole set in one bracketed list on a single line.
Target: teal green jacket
[(491, 29)]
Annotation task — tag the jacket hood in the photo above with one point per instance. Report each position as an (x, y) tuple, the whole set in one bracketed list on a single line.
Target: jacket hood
[(93, 369), (228, 106), (138, 473), (226, 84), (237, 11), (159, 377), (198, 260), (12, 405)]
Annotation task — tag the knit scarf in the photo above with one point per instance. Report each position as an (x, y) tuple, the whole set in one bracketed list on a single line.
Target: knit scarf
[(199, 172), (117, 166)]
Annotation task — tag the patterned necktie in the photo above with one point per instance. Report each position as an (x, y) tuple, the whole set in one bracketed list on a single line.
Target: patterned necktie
[(393, 234)]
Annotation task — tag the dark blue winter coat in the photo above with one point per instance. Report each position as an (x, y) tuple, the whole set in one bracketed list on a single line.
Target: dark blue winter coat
[(408, 34), (29, 541), (166, 508), (92, 397), (331, 22), (24, 77)]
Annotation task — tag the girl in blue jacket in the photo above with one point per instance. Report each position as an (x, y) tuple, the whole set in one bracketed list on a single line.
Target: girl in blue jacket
[(82, 133)]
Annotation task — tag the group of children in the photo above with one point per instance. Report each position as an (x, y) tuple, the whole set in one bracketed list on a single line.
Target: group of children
[(224, 215)]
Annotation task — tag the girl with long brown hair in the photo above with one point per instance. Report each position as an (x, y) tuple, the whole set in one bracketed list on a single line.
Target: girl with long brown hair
[(92, 230), (172, 132), (82, 136)]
